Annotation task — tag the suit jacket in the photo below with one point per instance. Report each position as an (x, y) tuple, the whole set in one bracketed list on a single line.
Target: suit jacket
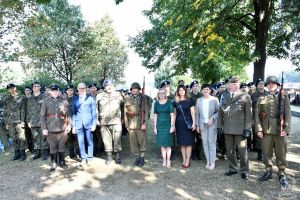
[(213, 112), (84, 113), (235, 114)]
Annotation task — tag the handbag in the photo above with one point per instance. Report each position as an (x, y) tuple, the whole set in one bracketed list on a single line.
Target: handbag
[(188, 123)]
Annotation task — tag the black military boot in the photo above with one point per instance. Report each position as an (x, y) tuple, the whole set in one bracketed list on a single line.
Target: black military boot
[(37, 154), (266, 176), (72, 152), (142, 162), (259, 155), (137, 161), (53, 161), (22, 155), (118, 158), (198, 155), (193, 157), (109, 158), (17, 155), (62, 162), (45, 154)]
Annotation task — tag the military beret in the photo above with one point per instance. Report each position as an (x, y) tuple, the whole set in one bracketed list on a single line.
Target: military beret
[(259, 81), (27, 87), (234, 80), (92, 85), (166, 82), (187, 86), (181, 82), (107, 82), (243, 85), (53, 86), (69, 87), (228, 79), (11, 85), (250, 84), (220, 84), (35, 83), (193, 83)]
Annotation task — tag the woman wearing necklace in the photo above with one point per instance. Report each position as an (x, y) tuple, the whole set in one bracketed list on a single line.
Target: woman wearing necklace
[(207, 109), (164, 125), (184, 123)]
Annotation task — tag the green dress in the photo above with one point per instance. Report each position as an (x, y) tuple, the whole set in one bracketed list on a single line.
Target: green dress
[(163, 125)]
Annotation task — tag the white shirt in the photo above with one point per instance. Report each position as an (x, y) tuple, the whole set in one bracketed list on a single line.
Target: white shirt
[(205, 106)]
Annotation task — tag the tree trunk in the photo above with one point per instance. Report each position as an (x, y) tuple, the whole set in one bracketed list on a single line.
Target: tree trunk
[(262, 17)]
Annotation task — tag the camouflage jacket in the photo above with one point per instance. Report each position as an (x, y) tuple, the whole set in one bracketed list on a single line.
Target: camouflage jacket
[(34, 105), (109, 108), (14, 109), (133, 107), (194, 97)]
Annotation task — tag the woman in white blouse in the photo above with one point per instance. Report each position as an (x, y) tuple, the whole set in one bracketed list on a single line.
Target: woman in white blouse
[(207, 108)]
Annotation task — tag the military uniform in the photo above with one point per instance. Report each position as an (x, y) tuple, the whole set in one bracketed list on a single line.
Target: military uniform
[(267, 121), (55, 119), (34, 119), (134, 106), (14, 117), (236, 119), (109, 118), (3, 132), (28, 134)]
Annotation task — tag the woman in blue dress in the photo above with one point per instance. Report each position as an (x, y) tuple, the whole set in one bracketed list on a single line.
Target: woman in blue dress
[(184, 114), (164, 125)]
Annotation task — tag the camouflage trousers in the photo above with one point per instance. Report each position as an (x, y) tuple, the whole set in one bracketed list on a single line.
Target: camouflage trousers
[(40, 141), (111, 136), (17, 132), (4, 137)]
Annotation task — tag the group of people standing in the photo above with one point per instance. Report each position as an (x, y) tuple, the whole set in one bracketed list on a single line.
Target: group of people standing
[(191, 119)]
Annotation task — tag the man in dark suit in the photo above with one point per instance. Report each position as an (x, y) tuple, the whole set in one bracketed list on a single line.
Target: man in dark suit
[(84, 120)]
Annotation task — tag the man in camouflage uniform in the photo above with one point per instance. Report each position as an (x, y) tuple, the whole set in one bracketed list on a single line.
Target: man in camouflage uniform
[(28, 135), (3, 132), (236, 120), (41, 146), (271, 130), (72, 139), (260, 91), (109, 118), (14, 116), (194, 95), (55, 123), (136, 108)]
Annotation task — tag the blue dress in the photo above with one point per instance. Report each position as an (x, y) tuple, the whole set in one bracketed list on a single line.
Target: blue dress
[(185, 136), (163, 124)]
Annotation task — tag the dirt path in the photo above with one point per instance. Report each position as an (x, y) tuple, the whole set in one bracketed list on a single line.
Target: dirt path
[(32, 179)]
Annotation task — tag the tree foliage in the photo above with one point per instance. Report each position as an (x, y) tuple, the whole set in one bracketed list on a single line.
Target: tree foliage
[(220, 37)]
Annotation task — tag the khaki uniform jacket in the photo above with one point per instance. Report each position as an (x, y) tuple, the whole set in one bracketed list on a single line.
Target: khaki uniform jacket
[(254, 98), (134, 105), (55, 114), (267, 117), (235, 114), (109, 108), (14, 110), (34, 104)]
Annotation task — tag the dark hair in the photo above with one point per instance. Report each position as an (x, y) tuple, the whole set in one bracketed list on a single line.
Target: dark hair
[(177, 92), (205, 85)]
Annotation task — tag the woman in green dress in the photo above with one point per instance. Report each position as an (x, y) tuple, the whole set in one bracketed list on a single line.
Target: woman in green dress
[(164, 125)]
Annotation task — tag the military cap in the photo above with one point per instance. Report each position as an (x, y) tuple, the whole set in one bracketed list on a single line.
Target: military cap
[(164, 83), (272, 79), (187, 86), (107, 82), (92, 85), (250, 84), (220, 84), (53, 86), (35, 83), (11, 85), (243, 85), (234, 80), (69, 87), (193, 83), (135, 85), (258, 81)]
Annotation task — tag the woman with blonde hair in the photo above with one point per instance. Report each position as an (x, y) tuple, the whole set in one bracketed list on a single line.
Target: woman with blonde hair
[(164, 125), (184, 124)]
